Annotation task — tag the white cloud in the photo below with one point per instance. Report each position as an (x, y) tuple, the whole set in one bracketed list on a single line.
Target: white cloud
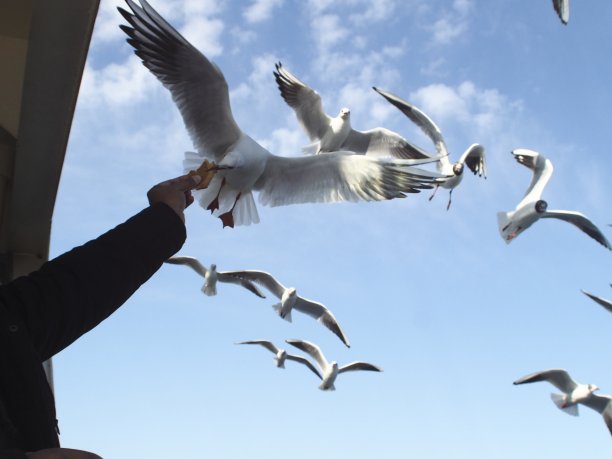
[(285, 142), (204, 33), (452, 25), (261, 10), (373, 11), (328, 31)]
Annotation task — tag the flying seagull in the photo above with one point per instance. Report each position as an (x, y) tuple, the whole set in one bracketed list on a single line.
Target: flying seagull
[(473, 157), (562, 9), (330, 369), (334, 134), (290, 300), (532, 207), (573, 393), (602, 301), (232, 164), (282, 355), (213, 276)]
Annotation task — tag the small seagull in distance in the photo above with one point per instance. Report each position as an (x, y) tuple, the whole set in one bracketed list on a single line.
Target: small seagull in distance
[(573, 393), (532, 207), (282, 355), (473, 157), (602, 301), (213, 276), (330, 369), (290, 300), (562, 9)]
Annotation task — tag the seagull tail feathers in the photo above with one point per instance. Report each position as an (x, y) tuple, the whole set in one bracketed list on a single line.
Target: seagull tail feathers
[(209, 289), (311, 149), (560, 401), (278, 307)]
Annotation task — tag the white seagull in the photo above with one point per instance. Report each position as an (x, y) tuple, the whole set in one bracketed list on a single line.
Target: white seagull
[(239, 165), (573, 393), (330, 369), (213, 276), (473, 157), (562, 9), (281, 355), (290, 300), (334, 134), (532, 207), (602, 301)]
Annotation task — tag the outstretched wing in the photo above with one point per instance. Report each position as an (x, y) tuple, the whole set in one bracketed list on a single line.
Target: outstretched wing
[(305, 101), (339, 176), (381, 142), (474, 158), (312, 349), (262, 342), (305, 361), (581, 222), (192, 262), (557, 377), (602, 301), (355, 366), (262, 278), (562, 9), (197, 85), (322, 314), (542, 170), (226, 276)]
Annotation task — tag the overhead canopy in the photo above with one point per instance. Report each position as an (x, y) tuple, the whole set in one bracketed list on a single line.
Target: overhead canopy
[(43, 47)]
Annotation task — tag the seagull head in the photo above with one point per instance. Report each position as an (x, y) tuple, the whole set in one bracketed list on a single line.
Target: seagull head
[(458, 168), (345, 113), (541, 206), (213, 267)]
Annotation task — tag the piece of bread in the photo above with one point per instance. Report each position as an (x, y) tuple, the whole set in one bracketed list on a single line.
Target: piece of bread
[(206, 171)]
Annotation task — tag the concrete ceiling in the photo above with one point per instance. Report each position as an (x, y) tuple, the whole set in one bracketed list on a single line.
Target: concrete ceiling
[(43, 48)]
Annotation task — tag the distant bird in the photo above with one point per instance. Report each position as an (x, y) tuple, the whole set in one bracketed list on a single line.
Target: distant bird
[(212, 276), (573, 393), (334, 134), (562, 9), (290, 300), (473, 157), (532, 207), (602, 301), (232, 163), (282, 355), (330, 369)]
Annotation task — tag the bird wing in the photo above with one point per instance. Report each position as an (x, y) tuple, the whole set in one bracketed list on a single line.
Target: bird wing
[(262, 342), (474, 158), (322, 314), (381, 142), (418, 117), (192, 262), (305, 361), (338, 176), (605, 303), (599, 403), (354, 366), (305, 101), (262, 278), (562, 9), (557, 377), (230, 277), (542, 170), (197, 85), (311, 349), (581, 222)]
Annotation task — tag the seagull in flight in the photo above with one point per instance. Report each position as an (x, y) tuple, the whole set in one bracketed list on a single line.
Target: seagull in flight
[(573, 393), (532, 207), (281, 355), (334, 134), (231, 163), (213, 276), (473, 157), (602, 301), (330, 369), (290, 300), (562, 9)]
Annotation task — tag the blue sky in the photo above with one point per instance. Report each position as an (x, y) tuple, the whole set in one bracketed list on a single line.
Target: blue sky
[(435, 297)]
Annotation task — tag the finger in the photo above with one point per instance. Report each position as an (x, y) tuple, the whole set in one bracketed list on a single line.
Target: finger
[(188, 199), (186, 182)]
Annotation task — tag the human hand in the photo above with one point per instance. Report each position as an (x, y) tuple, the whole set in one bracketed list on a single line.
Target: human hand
[(176, 193), (62, 453)]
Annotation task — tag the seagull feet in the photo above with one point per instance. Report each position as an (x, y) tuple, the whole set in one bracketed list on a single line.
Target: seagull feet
[(214, 204), (434, 193), (227, 218)]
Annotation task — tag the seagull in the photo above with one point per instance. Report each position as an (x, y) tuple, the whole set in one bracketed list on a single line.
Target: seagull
[(602, 301), (334, 134), (473, 157), (532, 207), (573, 393), (213, 276), (330, 369), (562, 9), (232, 163), (290, 300), (282, 355)]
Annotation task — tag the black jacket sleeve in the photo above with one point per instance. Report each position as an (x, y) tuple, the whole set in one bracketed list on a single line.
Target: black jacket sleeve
[(74, 292)]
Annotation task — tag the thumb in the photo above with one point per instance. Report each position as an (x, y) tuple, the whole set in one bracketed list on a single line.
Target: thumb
[(187, 182)]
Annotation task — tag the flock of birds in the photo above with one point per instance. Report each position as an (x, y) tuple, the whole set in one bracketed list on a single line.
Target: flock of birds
[(341, 164)]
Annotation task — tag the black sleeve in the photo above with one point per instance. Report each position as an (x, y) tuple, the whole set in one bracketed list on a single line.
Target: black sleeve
[(71, 294), (12, 454)]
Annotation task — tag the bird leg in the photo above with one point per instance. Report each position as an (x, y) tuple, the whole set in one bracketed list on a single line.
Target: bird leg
[(450, 195), (227, 218), (214, 204), (434, 193)]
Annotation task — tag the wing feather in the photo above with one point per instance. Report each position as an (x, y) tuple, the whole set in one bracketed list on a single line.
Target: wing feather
[(557, 377)]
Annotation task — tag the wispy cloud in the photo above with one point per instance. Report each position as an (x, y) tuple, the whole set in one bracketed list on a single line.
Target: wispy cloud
[(452, 24), (260, 10)]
